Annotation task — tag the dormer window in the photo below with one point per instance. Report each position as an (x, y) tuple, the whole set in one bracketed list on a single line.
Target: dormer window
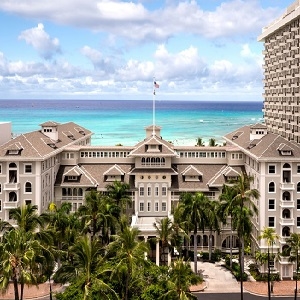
[(72, 178), (286, 152), (71, 136), (52, 145), (13, 152)]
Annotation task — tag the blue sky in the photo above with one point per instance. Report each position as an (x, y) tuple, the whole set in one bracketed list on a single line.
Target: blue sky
[(107, 49)]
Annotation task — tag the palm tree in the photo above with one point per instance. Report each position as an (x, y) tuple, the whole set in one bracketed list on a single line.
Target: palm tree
[(242, 213), (127, 255), (227, 204), (212, 142), (90, 212), (181, 277), (194, 210), (87, 267), (270, 235), (19, 250), (26, 217), (294, 246), (118, 192), (212, 221), (200, 142), (58, 221), (165, 234)]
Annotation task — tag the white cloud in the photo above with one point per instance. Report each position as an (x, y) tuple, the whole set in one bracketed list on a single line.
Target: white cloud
[(41, 41), (134, 22)]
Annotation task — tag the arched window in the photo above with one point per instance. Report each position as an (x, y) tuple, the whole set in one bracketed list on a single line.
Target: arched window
[(286, 214), (74, 192), (80, 193), (143, 161), (64, 192), (286, 231), (28, 188), (157, 161), (271, 187), (286, 196), (152, 161), (286, 166), (12, 197), (198, 240), (162, 161), (148, 161), (12, 165)]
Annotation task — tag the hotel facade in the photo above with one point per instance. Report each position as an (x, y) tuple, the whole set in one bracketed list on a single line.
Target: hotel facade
[(58, 163)]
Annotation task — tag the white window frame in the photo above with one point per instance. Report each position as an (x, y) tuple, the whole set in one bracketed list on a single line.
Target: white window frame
[(269, 222), (164, 191), (272, 209), (269, 187), (27, 165), (297, 203), (156, 206), (25, 192), (142, 191), (0, 204), (271, 165), (297, 222), (148, 206), (141, 206), (0, 168), (149, 191), (156, 191), (164, 206)]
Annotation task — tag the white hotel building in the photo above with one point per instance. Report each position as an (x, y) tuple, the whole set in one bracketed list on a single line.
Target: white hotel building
[(57, 163)]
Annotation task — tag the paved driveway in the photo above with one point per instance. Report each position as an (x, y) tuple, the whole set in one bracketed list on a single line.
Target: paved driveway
[(217, 278)]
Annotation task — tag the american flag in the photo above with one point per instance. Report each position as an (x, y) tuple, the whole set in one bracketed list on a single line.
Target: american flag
[(156, 85)]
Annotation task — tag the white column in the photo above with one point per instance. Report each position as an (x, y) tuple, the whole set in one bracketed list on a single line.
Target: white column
[(145, 254), (157, 253), (169, 258)]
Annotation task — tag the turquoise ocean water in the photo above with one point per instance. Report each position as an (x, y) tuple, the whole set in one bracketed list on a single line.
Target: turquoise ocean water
[(123, 121)]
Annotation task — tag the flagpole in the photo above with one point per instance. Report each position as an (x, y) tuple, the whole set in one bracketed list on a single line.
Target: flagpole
[(153, 108)]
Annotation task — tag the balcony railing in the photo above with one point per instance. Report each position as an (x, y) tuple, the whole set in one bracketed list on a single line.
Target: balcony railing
[(10, 204), (287, 203), (11, 186), (287, 186), (72, 198), (287, 221)]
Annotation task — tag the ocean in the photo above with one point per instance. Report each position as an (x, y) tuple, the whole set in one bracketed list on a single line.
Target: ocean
[(123, 121)]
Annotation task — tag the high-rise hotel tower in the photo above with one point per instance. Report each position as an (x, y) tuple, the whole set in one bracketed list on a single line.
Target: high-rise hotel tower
[(282, 74)]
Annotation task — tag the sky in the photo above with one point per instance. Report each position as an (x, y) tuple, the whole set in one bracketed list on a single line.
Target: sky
[(114, 50)]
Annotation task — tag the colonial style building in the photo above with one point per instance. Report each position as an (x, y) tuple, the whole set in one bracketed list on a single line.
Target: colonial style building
[(58, 163)]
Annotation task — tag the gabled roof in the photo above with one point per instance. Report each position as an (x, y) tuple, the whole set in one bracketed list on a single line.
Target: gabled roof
[(209, 172), (227, 171), (75, 171), (267, 148), (166, 147), (37, 145), (114, 171), (84, 177), (191, 171)]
